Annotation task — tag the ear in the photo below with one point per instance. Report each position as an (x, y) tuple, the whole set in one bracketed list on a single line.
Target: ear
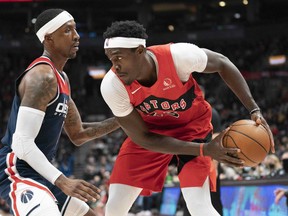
[(140, 49), (48, 37)]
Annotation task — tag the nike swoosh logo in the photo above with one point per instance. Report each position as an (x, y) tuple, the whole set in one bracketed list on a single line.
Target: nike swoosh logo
[(133, 92)]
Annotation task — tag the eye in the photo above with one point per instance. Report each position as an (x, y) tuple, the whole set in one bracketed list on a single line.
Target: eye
[(116, 58)]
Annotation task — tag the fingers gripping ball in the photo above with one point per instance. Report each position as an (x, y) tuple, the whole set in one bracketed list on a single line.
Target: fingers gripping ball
[(253, 140)]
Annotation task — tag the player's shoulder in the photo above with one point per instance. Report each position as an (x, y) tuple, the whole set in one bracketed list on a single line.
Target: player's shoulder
[(183, 46), (185, 51), (41, 73), (111, 83), (110, 77)]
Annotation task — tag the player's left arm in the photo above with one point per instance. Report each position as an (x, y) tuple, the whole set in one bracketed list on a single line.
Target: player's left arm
[(236, 82), (80, 132)]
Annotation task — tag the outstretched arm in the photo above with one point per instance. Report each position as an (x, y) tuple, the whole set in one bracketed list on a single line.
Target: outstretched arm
[(80, 132)]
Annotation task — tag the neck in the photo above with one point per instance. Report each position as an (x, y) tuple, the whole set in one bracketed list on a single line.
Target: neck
[(58, 62), (149, 69)]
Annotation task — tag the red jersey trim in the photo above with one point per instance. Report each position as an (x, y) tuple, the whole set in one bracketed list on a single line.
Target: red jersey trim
[(62, 83)]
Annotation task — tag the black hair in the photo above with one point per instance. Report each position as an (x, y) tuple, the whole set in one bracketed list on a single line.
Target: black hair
[(128, 28), (45, 17)]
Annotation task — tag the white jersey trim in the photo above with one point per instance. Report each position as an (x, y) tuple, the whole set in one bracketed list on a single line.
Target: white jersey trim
[(115, 95)]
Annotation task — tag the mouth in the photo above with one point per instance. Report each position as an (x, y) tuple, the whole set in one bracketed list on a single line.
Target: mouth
[(76, 47), (121, 75)]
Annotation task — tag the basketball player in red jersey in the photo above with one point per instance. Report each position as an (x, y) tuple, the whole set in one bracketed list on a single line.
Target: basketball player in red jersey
[(161, 108), (42, 106)]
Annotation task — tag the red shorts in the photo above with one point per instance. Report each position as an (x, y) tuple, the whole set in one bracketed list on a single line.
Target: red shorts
[(145, 169)]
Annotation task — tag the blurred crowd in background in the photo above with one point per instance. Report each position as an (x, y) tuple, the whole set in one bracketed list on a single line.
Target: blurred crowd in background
[(94, 160)]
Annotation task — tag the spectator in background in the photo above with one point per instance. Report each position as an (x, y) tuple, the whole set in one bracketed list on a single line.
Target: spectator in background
[(284, 161), (66, 164), (279, 193), (3, 206), (272, 165)]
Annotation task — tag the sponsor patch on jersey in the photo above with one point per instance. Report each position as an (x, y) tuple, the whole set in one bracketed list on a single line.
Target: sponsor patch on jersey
[(168, 84)]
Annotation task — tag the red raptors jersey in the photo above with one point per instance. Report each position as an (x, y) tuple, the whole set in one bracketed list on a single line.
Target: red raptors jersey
[(171, 107)]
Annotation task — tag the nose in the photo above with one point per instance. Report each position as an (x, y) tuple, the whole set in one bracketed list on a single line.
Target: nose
[(117, 67), (76, 35)]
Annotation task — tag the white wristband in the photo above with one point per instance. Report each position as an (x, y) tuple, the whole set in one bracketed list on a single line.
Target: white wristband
[(254, 110)]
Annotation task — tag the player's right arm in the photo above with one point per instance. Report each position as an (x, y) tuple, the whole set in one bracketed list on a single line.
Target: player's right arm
[(37, 88), (136, 129), (115, 95)]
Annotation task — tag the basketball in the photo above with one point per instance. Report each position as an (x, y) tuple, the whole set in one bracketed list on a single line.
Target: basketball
[(253, 140)]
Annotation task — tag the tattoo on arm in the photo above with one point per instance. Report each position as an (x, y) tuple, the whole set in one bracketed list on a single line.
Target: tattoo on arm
[(73, 118), (97, 129), (37, 89), (80, 132)]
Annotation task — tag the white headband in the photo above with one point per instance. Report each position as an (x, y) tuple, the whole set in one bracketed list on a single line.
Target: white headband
[(53, 24), (124, 42)]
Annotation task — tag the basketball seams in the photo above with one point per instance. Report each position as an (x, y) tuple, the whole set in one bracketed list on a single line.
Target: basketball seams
[(266, 131), (260, 126), (224, 139), (253, 140), (251, 122), (235, 144), (249, 138)]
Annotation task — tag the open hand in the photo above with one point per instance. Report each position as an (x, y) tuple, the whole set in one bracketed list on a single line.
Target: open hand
[(216, 150), (259, 119), (78, 188)]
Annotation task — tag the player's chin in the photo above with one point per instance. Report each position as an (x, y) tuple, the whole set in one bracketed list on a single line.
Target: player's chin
[(126, 81), (72, 55)]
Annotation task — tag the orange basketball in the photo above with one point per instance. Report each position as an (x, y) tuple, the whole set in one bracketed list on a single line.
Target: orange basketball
[(253, 140)]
